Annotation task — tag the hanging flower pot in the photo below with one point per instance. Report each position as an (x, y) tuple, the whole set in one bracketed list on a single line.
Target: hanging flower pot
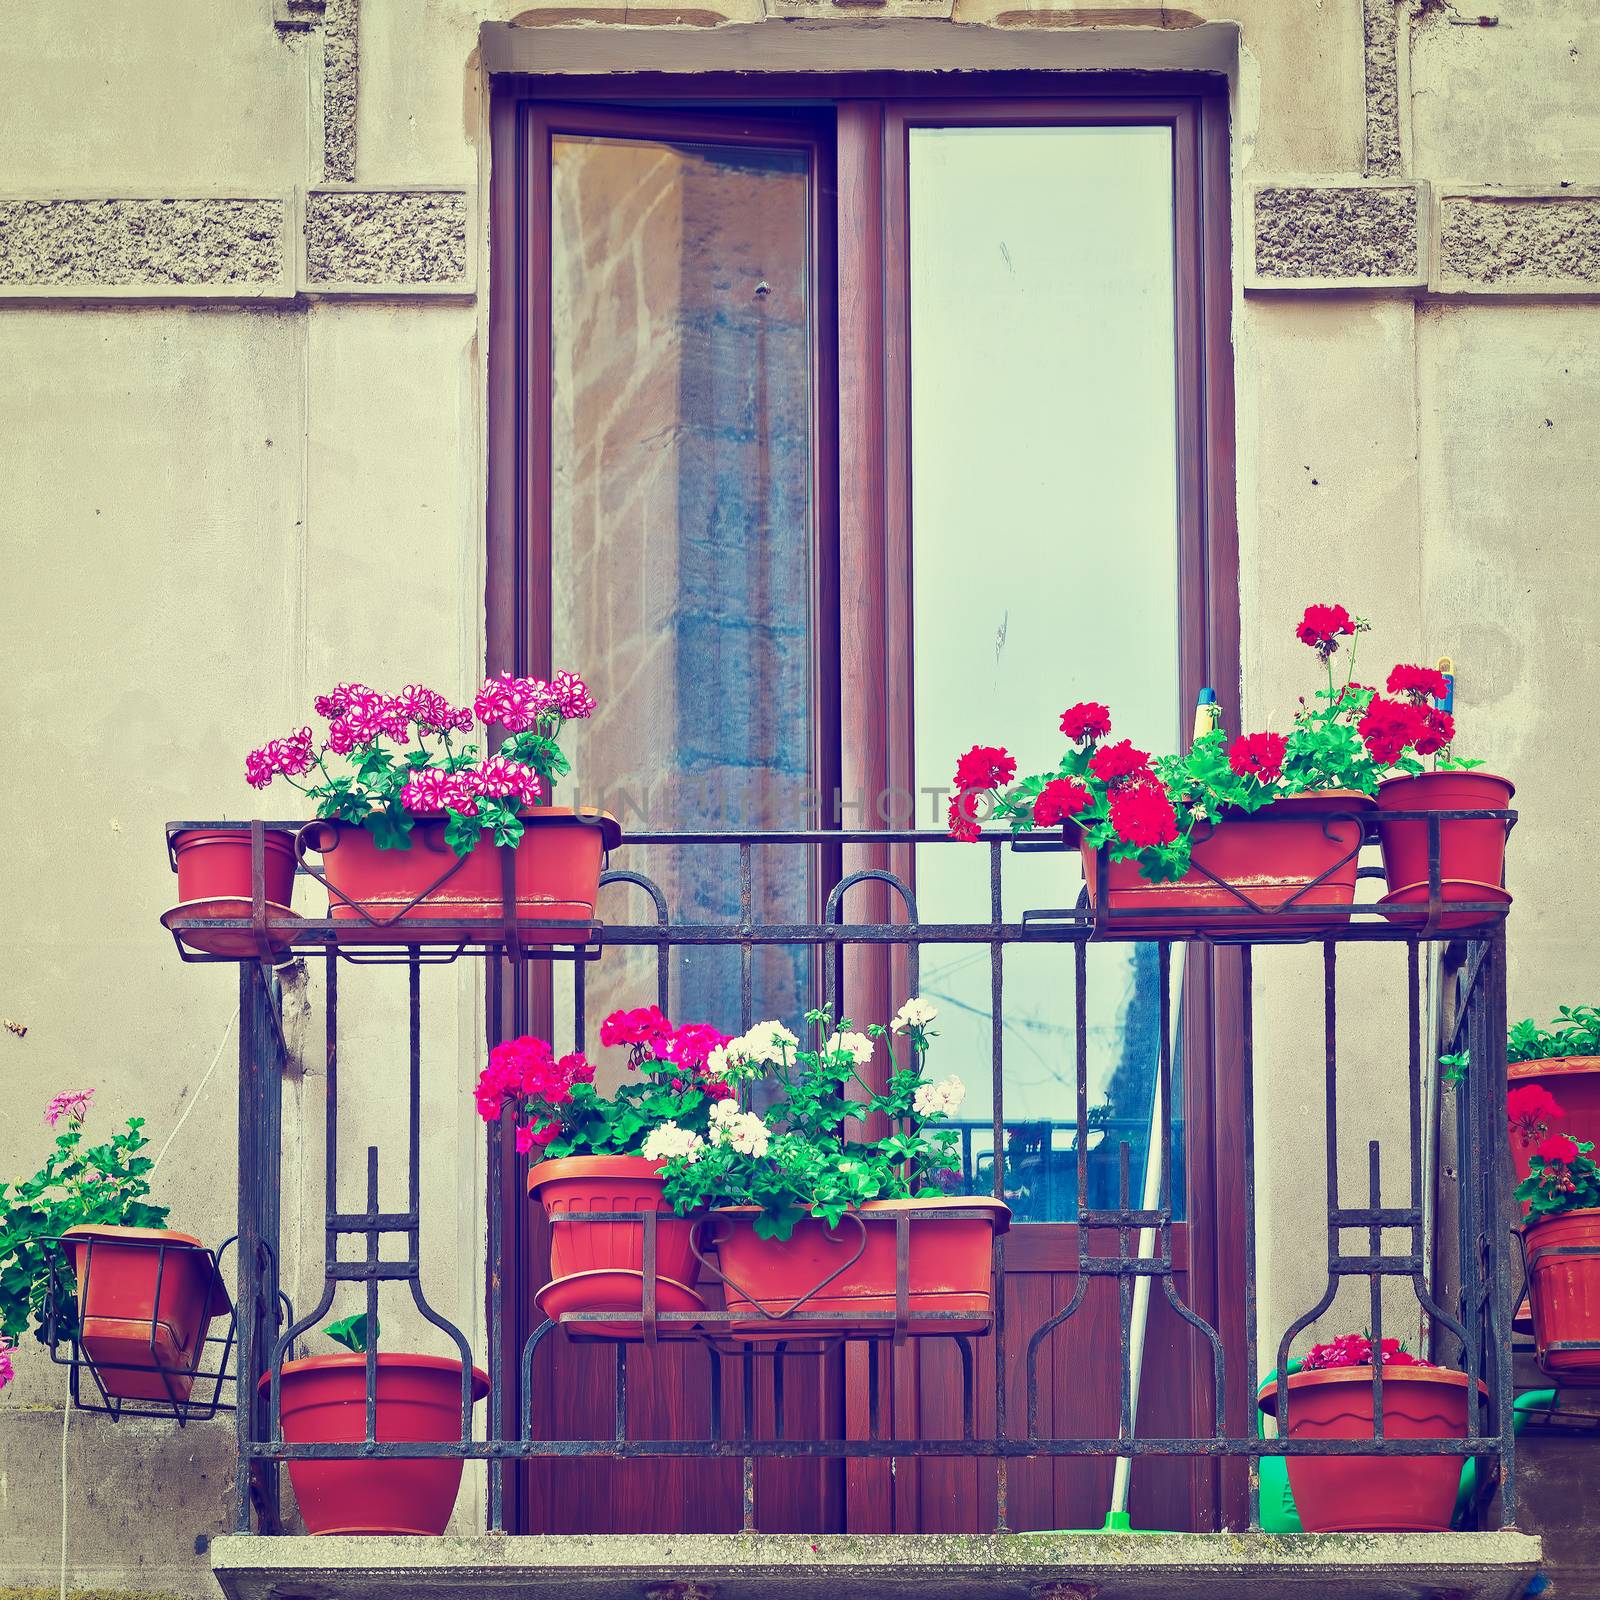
[(323, 1400), (1300, 850), (1563, 1259), (848, 1272), (1570, 1082), (426, 889), (145, 1298), (1374, 1494), (610, 1183), (215, 880), (1472, 851)]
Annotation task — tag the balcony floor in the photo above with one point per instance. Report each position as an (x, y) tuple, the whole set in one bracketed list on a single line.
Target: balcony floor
[(1462, 1566)]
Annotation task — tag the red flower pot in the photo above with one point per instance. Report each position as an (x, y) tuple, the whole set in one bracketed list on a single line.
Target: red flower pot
[(214, 880), (145, 1299), (610, 1183), (1270, 857), (1564, 1293), (323, 1400), (1575, 1083), (384, 895), (950, 1268), (1472, 854), (1374, 1494)]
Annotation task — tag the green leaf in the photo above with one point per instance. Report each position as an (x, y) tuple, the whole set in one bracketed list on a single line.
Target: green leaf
[(352, 1332)]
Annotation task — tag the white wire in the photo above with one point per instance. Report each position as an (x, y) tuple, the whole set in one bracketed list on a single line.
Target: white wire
[(66, 1417), (222, 1044)]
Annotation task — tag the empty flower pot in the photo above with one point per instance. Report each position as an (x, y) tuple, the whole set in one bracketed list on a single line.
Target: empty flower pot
[(145, 1299), (1374, 1494), (323, 1400), (844, 1277), (215, 881), (1472, 851)]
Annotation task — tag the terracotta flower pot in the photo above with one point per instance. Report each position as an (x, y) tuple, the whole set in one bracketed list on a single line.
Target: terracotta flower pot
[(1472, 854), (1575, 1083), (214, 880), (950, 1268), (383, 895), (1564, 1293), (1373, 1494), (610, 1183), (1271, 857), (323, 1400), (145, 1299)]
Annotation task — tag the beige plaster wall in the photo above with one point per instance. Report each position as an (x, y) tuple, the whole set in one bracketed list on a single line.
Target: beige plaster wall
[(209, 514)]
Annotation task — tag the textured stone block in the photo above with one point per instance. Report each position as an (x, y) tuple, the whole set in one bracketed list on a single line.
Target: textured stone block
[(1383, 46), (1338, 236), (341, 80), (1500, 241), (387, 241), (141, 247)]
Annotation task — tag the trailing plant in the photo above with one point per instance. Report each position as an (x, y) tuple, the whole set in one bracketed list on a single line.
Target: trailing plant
[(558, 1111), (1562, 1172), (104, 1184), (801, 1156), (1149, 809), (386, 760), (353, 1332)]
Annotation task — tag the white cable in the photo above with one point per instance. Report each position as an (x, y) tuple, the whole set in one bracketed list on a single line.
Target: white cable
[(221, 1046), (66, 1417)]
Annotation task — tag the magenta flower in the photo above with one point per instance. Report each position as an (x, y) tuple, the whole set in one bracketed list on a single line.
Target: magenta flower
[(339, 699), (6, 1371), (430, 710), (291, 756), (73, 1104), (573, 699), (500, 779), (517, 704)]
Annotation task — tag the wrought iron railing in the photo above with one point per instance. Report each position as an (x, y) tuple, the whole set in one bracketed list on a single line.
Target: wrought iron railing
[(1471, 1332)]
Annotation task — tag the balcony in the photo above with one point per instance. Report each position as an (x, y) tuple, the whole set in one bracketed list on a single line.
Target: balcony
[(1129, 1331)]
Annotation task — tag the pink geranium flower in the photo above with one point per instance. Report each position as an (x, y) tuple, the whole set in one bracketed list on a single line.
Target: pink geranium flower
[(74, 1104)]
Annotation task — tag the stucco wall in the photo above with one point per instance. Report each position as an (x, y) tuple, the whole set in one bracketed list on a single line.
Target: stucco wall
[(212, 511)]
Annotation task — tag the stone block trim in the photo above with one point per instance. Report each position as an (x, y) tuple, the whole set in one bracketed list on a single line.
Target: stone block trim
[(1337, 236), (1499, 241), (140, 247), (341, 76), (1382, 42), (387, 241)]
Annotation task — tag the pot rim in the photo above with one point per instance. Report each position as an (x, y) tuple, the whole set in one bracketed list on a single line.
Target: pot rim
[(884, 1208), (545, 816), (1317, 1377), (541, 1172), (1557, 1066), (1468, 772), (395, 1361), (1533, 1223), (116, 1230), (274, 838)]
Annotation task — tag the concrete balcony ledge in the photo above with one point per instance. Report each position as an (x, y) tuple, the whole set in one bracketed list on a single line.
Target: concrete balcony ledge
[(1394, 1566)]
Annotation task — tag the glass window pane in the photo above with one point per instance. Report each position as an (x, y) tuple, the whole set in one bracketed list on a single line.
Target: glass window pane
[(682, 526), (1045, 564)]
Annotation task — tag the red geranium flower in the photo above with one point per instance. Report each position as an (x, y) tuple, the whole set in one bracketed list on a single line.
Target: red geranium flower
[(1086, 720), (1059, 799), (985, 767), (1114, 762), (1143, 815), (1258, 755), (1439, 730), (1558, 1147), (964, 816), (1322, 626), (638, 1029), (1389, 727), (1353, 1350), (1530, 1110), (1418, 683)]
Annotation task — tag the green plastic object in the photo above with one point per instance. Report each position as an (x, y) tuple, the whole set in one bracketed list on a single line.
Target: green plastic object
[(1278, 1513), (1116, 1522)]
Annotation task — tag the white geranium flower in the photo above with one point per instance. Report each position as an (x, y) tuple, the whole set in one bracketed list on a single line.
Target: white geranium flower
[(766, 1042), (942, 1099), (855, 1045), (915, 1013), (669, 1142), (743, 1130)]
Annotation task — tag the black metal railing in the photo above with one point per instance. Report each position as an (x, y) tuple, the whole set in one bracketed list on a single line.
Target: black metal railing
[(1471, 1332)]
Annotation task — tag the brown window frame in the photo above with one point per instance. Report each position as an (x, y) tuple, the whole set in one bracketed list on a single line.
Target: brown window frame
[(864, 595)]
